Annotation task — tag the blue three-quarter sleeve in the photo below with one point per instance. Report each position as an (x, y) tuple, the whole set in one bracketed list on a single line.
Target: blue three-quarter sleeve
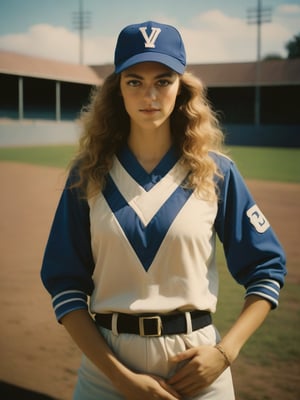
[(68, 262), (254, 255)]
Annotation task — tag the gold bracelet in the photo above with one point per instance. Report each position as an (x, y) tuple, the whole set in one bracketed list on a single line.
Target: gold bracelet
[(223, 352)]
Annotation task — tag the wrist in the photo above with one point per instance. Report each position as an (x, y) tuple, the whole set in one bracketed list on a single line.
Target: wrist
[(228, 361), (123, 380)]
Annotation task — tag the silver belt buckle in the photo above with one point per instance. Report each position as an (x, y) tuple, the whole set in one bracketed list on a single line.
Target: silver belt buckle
[(158, 326)]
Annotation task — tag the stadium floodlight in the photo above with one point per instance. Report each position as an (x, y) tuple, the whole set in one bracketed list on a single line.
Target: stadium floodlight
[(258, 16), (81, 22)]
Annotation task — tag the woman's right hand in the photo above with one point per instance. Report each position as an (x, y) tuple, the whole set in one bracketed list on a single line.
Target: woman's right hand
[(147, 387)]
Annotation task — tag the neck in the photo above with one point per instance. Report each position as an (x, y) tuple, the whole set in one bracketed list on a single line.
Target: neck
[(149, 147)]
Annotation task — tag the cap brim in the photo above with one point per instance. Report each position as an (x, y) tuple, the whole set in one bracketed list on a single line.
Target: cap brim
[(170, 62)]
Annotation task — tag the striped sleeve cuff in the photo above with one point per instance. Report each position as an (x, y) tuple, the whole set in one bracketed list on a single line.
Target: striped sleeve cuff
[(266, 288), (67, 301)]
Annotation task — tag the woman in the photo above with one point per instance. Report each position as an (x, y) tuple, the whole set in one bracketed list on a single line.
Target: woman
[(135, 233)]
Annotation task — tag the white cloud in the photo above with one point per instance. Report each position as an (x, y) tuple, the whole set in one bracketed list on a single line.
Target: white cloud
[(288, 16), (43, 40), (55, 42), (212, 36), (215, 37), (99, 50), (285, 25), (289, 9)]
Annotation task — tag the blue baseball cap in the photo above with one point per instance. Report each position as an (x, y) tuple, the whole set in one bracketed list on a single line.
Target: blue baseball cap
[(150, 41)]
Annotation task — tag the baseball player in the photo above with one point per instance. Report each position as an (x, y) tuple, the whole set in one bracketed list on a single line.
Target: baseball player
[(130, 260)]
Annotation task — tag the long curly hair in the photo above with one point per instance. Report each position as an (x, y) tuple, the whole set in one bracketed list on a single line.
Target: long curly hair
[(106, 125)]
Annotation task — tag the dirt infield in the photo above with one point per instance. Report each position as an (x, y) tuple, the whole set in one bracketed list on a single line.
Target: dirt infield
[(36, 353)]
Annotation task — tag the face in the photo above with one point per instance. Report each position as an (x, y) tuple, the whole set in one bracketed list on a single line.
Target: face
[(149, 92)]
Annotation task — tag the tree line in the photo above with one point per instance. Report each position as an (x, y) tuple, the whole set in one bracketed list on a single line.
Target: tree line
[(292, 47)]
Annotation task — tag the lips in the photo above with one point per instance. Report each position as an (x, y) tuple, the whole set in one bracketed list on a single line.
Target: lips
[(149, 110)]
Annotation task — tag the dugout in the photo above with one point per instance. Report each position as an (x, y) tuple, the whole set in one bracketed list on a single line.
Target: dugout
[(42, 99), (232, 92), (40, 89)]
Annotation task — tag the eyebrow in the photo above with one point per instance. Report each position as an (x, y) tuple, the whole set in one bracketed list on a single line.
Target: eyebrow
[(160, 76)]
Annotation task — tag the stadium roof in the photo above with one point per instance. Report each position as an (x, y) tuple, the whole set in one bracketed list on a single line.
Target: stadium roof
[(35, 67), (273, 72)]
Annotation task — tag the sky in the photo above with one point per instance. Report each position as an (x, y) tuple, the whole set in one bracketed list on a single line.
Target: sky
[(214, 31)]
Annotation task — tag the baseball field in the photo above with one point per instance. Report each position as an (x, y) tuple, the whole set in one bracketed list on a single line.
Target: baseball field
[(37, 354)]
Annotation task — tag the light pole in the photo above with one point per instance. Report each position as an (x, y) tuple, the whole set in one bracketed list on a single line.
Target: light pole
[(258, 16), (81, 21)]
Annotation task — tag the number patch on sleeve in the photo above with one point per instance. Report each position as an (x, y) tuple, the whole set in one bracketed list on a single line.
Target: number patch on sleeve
[(257, 219)]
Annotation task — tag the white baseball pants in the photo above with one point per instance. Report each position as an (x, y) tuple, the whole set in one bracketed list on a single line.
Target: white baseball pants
[(149, 355)]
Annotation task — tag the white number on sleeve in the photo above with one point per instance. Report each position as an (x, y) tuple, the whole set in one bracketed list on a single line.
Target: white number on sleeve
[(257, 219)]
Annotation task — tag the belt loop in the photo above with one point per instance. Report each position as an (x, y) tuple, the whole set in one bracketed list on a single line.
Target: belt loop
[(114, 324), (189, 326)]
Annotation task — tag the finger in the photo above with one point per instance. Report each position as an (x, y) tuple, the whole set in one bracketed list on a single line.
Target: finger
[(170, 390), (185, 355), (192, 390), (167, 387), (182, 386), (182, 374), (177, 378)]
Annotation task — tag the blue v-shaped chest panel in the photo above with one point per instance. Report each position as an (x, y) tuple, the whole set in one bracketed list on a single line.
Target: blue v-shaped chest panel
[(145, 240)]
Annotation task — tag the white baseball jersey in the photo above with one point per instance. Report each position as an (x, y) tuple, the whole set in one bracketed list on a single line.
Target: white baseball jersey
[(147, 244)]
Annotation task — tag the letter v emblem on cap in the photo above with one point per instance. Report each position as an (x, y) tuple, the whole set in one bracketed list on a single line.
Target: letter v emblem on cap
[(150, 40)]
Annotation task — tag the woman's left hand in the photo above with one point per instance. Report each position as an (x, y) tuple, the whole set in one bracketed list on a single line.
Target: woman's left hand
[(203, 366)]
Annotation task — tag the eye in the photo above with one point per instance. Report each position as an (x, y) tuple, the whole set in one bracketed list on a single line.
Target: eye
[(163, 82), (133, 82)]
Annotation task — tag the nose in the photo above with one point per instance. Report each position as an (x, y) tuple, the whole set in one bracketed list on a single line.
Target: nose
[(150, 92)]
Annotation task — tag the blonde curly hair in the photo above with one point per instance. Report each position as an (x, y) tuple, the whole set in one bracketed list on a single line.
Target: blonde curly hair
[(106, 126)]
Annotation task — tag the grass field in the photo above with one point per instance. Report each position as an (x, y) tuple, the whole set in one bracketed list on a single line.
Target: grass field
[(272, 164), (51, 156), (275, 164), (280, 324)]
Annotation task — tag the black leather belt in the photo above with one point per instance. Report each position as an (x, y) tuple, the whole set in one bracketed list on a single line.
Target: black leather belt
[(154, 325)]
